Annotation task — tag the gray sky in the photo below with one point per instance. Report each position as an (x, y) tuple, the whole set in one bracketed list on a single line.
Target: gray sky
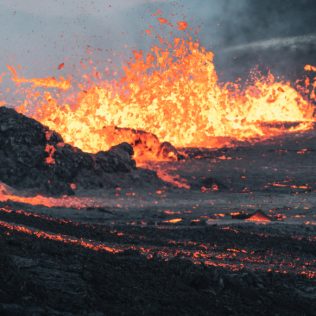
[(70, 8), (41, 34)]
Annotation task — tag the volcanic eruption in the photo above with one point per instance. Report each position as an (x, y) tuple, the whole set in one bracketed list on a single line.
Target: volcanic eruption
[(158, 187), (171, 92)]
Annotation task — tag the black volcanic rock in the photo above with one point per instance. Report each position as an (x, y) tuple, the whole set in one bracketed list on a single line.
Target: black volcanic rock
[(117, 159), (34, 157)]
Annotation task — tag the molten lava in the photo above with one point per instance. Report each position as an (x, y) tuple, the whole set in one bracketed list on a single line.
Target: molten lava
[(7, 194), (173, 92), (258, 217), (52, 82)]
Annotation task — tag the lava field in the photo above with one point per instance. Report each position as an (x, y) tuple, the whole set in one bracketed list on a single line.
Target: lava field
[(238, 238)]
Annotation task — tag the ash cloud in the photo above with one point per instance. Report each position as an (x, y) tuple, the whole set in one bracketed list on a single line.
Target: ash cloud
[(274, 34)]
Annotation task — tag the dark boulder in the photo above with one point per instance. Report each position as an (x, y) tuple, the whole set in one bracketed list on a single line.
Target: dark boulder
[(117, 159), (34, 157)]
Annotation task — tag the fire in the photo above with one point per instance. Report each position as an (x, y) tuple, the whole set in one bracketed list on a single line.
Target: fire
[(7, 194), (173, 92), (51, 82), (50, 151), (310, 68)]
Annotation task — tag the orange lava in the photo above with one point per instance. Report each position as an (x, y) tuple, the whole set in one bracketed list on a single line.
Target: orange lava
[(258, 217), (58, 237), (208, 254), (173, 92), (166, 176), (182, 25), (51, 82), (310, 68), (7, 194), (174, 221)]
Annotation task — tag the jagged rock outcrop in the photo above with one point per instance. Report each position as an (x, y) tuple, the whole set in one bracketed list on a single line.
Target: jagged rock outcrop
[(34, 157)]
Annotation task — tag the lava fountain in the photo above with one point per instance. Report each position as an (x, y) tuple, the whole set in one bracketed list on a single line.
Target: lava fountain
[(173, 92)]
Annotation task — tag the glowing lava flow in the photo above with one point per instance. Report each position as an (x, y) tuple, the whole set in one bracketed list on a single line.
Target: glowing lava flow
[(6, 195), (173, 92), (231, 258), (58, 237)]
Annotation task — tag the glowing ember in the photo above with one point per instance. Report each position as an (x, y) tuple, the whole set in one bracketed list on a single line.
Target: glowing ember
[(50, 151), (310, 68), (172, 92), (258, 217), (173, 221), (302, 151), (182, 25), (59, 238), (7, 194), (233, 257), (175, 180), (291, 186)]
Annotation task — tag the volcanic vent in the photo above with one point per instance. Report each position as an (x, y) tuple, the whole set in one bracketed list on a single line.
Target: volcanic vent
[(157, 188), (171, 92)]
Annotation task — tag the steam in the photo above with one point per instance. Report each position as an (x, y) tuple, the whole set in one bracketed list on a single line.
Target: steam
[(295, 42)]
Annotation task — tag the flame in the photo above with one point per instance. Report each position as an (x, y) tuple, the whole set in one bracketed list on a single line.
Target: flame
[(51, 82), (173, 92), (310, 68)]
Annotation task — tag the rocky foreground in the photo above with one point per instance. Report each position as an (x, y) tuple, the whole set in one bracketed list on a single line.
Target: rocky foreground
[(128, 244), (59, 267)]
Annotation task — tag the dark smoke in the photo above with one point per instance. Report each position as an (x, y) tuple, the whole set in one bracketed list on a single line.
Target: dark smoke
[(275, 34), (279, 35)]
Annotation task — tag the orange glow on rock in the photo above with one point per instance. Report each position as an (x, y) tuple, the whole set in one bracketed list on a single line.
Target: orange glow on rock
[(50, 151), (59, 238), (164, 21), (258, 217), (7, 194)]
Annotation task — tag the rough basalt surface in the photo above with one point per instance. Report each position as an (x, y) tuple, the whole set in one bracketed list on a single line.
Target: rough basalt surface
[(40, 276), (34, 157)]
